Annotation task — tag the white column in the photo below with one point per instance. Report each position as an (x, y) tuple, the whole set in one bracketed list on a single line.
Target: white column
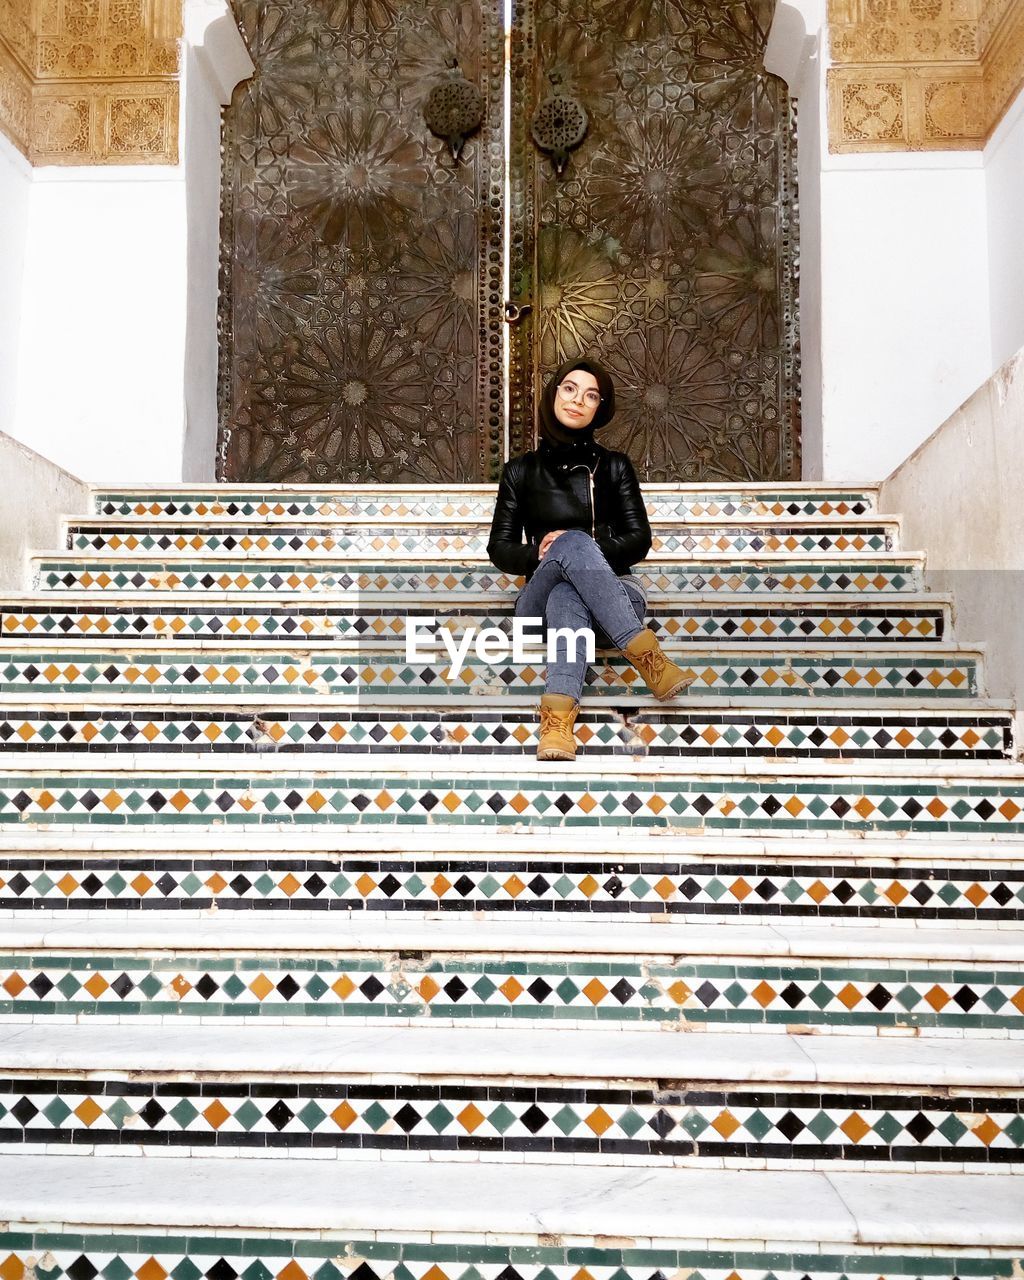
[(215, 59), (15, 194), (1004, 190)]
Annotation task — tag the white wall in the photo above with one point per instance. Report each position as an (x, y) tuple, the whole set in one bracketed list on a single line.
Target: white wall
[(905, 312), (33, 497), (895, 310), (1004, 181), (15, 188), (115, 372), (960, 497), (102, 340)]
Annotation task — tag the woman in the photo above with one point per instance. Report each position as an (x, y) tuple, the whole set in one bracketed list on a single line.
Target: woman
[(585, 523)]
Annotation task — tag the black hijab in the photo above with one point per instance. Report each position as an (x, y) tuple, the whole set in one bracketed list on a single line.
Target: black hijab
[(574, 440)]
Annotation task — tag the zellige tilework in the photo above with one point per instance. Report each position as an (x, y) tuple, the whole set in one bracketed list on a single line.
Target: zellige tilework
[(663, 732), (610, 989), (874, 673), (914, 804), (533, 1121), (580, 886), (83, 1255), (787, 575), (475, 503), (788, 622), (296, 540)]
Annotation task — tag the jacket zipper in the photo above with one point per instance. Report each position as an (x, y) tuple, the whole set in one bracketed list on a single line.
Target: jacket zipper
[(590, 486)]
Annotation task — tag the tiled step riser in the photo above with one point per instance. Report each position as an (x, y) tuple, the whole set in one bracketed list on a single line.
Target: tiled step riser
[(516, 1118), (834, 622), (454, 580), (403, 541), (603, 888), (275, 673), (663, 503), (714, 994), (744, 804), (670, 734), (136, 1255)]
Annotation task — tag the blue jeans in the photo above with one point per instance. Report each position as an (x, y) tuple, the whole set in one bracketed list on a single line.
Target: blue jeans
[(574, 586)]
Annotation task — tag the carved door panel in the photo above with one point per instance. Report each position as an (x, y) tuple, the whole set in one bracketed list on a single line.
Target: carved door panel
[(361, 291), (667, 248)]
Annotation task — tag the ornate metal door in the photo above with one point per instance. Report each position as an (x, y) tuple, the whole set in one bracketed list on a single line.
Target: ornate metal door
[(362, 266), (667, 247), (362, 282)]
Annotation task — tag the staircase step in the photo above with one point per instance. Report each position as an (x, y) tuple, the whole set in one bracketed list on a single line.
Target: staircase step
[(846, 885), (914, 674), (616, 1221), (398, 1092), (187, 617), (405, 1054), (920, 797), (403, 941), (503, 1221), (727, 976), (400, 539), (890, 573), (449, 503), (815, 732)]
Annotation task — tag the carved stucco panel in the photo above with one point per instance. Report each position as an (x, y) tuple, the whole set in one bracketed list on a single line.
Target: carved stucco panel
[(922, 74), (15, 100), (90, 81)]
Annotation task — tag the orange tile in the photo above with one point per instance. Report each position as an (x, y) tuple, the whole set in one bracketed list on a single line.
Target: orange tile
[(216, 1114)]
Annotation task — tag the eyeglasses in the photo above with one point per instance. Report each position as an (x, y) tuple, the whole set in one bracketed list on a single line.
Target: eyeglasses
[(569, 391)]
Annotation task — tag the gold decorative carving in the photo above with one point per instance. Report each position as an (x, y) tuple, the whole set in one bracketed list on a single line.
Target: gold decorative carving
[(15, 100), (914, 75), (90, 81)]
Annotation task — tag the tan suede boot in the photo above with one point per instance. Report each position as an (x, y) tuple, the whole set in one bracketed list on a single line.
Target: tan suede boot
[(557, 717), (663, 677)]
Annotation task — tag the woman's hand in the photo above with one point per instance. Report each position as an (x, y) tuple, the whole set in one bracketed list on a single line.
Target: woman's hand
[(546, 541)]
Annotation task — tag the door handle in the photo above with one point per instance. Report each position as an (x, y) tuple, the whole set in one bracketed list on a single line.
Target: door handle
[(514, 311)]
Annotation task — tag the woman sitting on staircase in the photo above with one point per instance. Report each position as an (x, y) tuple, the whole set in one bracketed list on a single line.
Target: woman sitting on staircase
[(585, 524)]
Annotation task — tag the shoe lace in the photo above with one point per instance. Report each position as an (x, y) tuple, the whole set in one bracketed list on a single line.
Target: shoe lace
[(653, 663), (552, 721)]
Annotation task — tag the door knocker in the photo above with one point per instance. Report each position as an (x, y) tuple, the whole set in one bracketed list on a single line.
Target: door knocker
[(454, 108), (559, 124)]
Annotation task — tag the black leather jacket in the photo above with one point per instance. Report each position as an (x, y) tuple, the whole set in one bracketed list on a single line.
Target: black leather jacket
[(540, 491)]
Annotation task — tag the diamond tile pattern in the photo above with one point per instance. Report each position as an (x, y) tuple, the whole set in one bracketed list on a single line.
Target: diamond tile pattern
[(390, 504), (662, 732), (575, 989), (594, 885), (286, 672), (639, 1122), (290, 541), (230, 1256), (717, 803), (844, 575), (219, 621), (838, 622)]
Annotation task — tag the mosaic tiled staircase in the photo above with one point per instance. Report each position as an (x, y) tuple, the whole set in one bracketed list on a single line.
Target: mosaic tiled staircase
[(737, 995)]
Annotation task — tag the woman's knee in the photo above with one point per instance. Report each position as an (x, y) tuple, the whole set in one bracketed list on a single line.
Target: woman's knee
[(565, 605), (574, 543)]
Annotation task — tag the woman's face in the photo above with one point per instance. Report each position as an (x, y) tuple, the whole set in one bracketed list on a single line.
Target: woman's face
[(577, 399)]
